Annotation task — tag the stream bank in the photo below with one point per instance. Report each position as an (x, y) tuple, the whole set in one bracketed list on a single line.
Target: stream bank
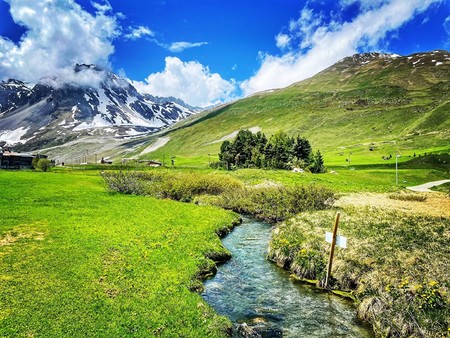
[(262, 301)]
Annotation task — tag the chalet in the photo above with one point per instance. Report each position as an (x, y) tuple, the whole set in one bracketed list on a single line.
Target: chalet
[(13, 160)]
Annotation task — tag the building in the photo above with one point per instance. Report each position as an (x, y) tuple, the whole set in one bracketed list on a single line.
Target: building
[(13, 160), (151, 163)]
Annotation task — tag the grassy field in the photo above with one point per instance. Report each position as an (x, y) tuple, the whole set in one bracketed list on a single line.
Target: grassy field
[(77, 261), (342, 179)]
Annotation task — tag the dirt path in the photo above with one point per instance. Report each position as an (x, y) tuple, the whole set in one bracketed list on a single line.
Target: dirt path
[(158, 144), (426, 187)]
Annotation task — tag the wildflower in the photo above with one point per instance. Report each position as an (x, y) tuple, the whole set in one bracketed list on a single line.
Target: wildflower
[(432, 283)]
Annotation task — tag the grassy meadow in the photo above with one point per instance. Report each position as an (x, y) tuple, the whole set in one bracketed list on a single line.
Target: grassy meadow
[(77, 261), (398, 257)]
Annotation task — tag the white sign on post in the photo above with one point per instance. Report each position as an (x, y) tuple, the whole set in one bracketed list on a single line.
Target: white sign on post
[(341, 241)]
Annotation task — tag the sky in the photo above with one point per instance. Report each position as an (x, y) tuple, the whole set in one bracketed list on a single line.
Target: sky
[(208, 52)]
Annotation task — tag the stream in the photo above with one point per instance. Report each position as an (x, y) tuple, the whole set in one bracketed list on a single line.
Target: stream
[(250, 289)]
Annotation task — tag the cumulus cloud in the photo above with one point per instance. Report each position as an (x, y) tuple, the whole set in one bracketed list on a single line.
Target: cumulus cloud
[(139, 32), (180, 46), (191, 81), (322, 44), (59, 35)]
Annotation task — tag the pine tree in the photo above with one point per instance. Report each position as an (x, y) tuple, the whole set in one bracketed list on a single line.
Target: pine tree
[(317, 166), (302, 150)]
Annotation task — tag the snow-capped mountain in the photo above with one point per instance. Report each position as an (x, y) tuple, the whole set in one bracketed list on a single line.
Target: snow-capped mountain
[(52, 113)]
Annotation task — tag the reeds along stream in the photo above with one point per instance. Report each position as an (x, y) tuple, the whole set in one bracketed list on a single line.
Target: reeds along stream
[(249, 289)]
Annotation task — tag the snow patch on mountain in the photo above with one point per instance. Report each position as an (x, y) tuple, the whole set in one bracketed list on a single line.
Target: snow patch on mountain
[(13, 136)]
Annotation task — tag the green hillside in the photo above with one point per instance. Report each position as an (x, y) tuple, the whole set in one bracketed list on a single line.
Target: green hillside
[(363, 107)]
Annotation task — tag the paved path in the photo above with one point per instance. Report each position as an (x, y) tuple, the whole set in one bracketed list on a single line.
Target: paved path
[(426, 187)]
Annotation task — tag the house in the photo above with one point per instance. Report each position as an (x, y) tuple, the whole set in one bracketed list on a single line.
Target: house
[(151, 163), (13, 160)]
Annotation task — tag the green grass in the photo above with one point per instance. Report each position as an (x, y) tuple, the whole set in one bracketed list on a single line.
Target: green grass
[(344, 180), (77, 261), (339, 179)]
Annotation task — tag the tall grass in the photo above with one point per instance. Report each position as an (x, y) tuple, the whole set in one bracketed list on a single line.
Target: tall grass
[(269, 203), (396, 265), (276, 203)]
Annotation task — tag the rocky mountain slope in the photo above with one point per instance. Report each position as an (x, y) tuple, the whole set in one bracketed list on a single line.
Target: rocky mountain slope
[(50, 113), (370, 105)]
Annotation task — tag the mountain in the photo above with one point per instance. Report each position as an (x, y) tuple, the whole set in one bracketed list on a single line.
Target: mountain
[(54, 112), (371, 105)]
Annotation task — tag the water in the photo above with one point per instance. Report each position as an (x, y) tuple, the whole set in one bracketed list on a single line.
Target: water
[(250, 289)]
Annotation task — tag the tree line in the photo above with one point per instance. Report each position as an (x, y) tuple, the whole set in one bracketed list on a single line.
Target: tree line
[(280, 151)]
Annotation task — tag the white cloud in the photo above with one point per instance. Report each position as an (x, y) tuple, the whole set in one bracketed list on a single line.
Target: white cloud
[(138, 32), (447, 25), (325, 44), (282, 40), (106, 7), (59, 35), (191, 81), (364, 4), (85, 77), (177, 47)]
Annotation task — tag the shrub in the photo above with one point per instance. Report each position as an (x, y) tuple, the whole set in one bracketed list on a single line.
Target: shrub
[(271, 204), (43, 164), (275, 204), (125, 182)]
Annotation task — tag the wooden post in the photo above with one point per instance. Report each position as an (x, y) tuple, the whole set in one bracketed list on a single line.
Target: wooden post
[(333, 243)]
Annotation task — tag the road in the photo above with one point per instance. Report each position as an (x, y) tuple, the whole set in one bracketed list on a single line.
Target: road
[(426, 187)]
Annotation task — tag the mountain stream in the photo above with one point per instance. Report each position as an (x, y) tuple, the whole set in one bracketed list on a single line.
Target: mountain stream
[(249, 289)]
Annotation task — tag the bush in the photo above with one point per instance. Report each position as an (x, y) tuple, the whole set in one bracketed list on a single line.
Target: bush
[(271, 204), (275, 204), (407, 197), (180, 186), (125, 182), (43, 164)]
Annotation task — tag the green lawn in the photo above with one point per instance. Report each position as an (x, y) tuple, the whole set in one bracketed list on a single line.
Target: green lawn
[(77, 261)]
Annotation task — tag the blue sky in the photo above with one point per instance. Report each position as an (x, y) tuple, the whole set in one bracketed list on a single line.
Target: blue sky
[(209, 51)]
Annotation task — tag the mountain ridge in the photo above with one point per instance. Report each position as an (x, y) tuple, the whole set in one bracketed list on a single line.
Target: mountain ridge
[(51, 113)]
